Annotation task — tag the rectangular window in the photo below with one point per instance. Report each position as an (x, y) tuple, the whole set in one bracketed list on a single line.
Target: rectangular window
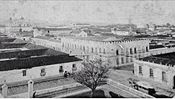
[(61, 69), (131, 59), (140, 70), (151, 73), (95, 50), (43, 72), (24, 72), (127, 60), (130, 50), (164, 76), (74, 68), (99, 50), (92, 50), (117, 61), (146, 49), (122, 59), (135, 50), (117, 53), (104, 51)]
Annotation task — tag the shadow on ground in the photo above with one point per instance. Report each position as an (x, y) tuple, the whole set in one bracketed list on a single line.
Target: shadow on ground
[(98, 94), (114, 95), (127, 68), (161, 96)]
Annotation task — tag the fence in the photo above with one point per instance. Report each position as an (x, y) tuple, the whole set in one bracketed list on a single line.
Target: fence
[(131, 90)]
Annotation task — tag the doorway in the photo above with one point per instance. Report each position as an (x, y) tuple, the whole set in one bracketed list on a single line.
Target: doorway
[(174, 82)]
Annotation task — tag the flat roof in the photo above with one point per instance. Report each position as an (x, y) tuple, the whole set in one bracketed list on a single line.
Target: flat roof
[(26, 63), (31, 55), (165, 59)]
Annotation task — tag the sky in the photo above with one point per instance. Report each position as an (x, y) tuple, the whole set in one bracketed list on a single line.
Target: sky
[(91, 11)]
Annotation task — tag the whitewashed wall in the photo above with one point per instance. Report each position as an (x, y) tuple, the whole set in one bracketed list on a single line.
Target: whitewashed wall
[(34, 73), (47, 43), (157, 71)]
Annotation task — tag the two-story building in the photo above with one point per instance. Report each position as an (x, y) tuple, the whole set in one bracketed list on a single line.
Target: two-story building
[(119, 50)]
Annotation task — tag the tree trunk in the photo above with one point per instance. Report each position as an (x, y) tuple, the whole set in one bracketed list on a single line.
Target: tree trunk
[(92, 93)]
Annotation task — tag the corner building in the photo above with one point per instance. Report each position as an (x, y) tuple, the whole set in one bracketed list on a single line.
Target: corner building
[(120, 51)]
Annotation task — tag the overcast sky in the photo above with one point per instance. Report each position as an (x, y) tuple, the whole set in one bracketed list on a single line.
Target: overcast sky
[(112, 11)]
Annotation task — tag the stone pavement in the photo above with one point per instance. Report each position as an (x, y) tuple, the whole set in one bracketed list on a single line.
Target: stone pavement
[(122, 76)]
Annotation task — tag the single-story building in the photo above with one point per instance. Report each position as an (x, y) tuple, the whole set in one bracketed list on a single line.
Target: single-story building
[(159, 68), (30, 61)]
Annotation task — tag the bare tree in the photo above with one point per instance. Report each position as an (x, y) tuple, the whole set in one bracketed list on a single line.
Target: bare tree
[(93, 74)]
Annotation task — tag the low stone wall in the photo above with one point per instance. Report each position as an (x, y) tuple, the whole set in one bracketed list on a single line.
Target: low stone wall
[(1, 96), (39, 92)]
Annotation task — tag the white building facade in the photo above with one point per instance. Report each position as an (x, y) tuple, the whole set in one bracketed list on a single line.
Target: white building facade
[(118, 50), (39, 72), (164, 74), (47, 42)]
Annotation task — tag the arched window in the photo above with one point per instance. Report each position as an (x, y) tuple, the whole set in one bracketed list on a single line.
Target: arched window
[(151, 74), (164, 76)]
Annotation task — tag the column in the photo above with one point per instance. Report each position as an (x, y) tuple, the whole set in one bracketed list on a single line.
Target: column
[(106, 92), (30, 88), (4, 90)]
